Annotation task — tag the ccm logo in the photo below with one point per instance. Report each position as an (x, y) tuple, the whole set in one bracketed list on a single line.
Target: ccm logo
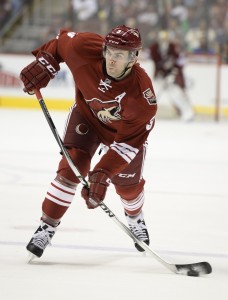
[(47, 65), (127, 175)]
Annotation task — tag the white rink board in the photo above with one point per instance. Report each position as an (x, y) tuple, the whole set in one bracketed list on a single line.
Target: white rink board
[(201, 80)]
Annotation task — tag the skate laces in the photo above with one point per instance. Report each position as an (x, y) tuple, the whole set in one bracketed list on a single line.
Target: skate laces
[(43, 237), (138, 227)]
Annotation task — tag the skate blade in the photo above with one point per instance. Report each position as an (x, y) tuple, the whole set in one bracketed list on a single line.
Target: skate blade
[(30, 257)]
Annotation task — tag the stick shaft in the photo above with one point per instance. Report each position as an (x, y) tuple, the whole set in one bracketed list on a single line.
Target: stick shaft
[(58, 138)]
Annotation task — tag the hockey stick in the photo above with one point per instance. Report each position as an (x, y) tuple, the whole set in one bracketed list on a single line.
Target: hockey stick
[(194, 269)]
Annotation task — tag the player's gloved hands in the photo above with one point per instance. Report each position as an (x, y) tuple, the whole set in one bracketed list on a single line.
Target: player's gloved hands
[(98, 183), (38, 74)]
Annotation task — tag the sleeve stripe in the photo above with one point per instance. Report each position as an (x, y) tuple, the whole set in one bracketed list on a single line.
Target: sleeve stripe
[(68, 119), (126, 151)]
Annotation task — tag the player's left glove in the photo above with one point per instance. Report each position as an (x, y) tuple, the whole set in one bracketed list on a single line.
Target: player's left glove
[(98, 183), (38, 74)]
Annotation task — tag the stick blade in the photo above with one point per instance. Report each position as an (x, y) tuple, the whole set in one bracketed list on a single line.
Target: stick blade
[(195, 269)]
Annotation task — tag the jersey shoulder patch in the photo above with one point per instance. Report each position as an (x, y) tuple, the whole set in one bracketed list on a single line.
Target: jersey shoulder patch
[(146, 87), (149, 95)]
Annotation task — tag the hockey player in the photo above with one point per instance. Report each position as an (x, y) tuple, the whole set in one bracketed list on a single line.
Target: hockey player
[(115, 105), (168, 73)]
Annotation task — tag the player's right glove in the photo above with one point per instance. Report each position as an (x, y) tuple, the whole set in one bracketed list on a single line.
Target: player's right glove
[(98, 184), (38, 74)]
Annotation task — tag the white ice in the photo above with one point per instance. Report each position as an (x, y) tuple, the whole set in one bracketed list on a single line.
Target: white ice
[(186, 212)]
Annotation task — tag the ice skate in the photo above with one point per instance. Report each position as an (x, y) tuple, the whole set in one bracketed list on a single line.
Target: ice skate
[(41, 238), (138, 227)]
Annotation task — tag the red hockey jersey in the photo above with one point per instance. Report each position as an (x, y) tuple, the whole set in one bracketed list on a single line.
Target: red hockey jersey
[(121, 112)]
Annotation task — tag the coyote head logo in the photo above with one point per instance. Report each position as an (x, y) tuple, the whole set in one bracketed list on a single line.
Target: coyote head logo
[(106, 111)]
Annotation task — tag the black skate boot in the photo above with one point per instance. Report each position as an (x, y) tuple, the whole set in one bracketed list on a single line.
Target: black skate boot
[(138, 227), (41, 238)]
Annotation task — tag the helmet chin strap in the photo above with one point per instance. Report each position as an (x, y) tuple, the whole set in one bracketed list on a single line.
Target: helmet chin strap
[(124, 71)]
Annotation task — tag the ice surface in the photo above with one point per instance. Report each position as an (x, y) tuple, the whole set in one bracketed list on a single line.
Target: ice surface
[(186, 211)]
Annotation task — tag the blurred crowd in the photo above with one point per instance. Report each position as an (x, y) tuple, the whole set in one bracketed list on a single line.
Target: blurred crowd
[(8, 8), (199, 26)]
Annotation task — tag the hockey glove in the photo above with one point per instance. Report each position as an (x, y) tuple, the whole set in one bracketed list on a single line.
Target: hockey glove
[(38, 74), (98, 183)]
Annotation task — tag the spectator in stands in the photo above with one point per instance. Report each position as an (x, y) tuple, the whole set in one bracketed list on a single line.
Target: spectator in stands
[(84, 12), (148, 17), (6, 9), (16, 5), (194, 35), (204, 47), (119, 12), (104, 14), (180, 11)]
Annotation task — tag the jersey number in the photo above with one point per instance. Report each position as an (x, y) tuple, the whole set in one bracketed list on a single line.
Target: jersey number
[(71, 34)]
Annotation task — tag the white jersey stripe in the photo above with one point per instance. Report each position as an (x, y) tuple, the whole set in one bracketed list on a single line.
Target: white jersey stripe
[(126, 151), (144, 157), (125, 157)]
